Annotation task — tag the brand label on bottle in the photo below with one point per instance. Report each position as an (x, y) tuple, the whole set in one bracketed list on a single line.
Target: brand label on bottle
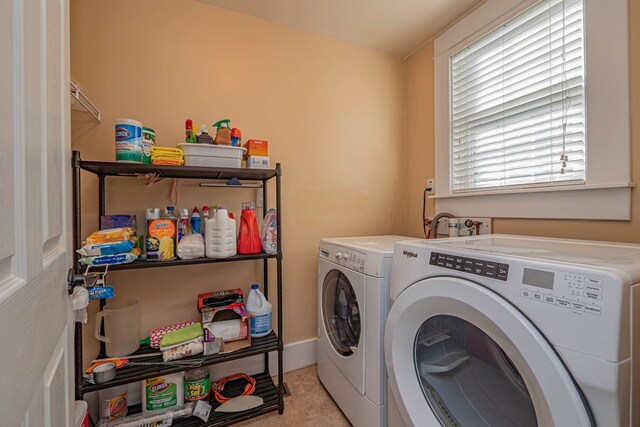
[(115, 408), (160, 394), (260, 324)]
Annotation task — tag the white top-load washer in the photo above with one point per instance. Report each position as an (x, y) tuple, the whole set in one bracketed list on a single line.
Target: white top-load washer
[(515, 331), (353, 302)]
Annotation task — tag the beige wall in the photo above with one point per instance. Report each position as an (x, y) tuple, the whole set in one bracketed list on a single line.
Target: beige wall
[(332, 112), (420, 152)]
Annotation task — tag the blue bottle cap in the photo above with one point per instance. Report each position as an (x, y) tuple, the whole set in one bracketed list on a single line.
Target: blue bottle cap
[(255, 286)]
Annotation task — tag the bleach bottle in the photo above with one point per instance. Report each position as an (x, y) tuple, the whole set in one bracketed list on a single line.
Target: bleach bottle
[(260, 311)]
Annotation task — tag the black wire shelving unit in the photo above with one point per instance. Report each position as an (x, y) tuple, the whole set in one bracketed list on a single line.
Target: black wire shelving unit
[(273, 394)]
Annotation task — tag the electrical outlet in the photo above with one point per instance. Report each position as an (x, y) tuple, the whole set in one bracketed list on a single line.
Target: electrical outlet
[(259, 198), (431, 186)]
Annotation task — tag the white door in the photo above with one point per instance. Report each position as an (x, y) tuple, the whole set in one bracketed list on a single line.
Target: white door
[(458, 354), (36, 363)]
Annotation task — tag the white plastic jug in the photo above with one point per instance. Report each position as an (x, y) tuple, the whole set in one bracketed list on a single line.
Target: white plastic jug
[(220, 235), (121, 325), (260, 311)]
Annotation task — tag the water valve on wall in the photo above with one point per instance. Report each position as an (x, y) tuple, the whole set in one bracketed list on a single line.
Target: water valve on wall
[(460, 226)]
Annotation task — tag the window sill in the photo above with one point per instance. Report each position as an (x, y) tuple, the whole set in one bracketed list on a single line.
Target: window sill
[(593, 202)]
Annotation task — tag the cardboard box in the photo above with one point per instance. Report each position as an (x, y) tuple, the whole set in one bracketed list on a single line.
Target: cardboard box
[(258, 162), (256, 147), (235, 311), (210, 301)]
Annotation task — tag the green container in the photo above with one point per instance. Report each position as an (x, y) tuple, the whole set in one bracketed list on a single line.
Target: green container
[(148, 141)]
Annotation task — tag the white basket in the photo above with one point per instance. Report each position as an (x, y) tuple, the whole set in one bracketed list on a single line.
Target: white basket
[(222, 156)]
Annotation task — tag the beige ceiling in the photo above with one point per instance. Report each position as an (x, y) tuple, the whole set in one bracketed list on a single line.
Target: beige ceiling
[(396, 26)]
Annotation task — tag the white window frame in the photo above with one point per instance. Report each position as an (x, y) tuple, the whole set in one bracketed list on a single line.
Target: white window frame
[(606, 194)]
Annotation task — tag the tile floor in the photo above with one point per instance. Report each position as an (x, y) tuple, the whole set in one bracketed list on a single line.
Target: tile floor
[(308, 405)]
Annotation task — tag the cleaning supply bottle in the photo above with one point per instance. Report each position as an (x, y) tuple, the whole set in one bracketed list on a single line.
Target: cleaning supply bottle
[(223, 133), (204, 218), (269, 232), (190, 136), (195, 220), (236, 137), (170, 213), (260, 311), (204, 137), (249, 237), (183, 224), (220, 235)]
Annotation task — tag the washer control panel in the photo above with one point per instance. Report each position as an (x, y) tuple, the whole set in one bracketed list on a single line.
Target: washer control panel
[(349, 258), (571, 291), (475, 266)]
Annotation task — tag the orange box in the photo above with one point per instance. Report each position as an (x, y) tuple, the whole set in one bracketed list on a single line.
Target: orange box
[(256, 147)]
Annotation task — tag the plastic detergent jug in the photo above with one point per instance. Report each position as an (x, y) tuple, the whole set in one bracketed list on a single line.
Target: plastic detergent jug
[(260, 311), (249, 237), (121, 325), (220, 235), (269, 232), (162, 393)]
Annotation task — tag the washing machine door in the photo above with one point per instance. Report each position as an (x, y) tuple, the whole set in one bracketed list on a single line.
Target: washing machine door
[(458, 354), (341, 320)]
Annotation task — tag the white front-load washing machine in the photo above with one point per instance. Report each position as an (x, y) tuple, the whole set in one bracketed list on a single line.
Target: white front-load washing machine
[(515, 331), (353, 301)]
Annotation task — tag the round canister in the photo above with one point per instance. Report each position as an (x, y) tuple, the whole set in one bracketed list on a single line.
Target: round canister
[(197, 384), (128, 141), (148, 141)]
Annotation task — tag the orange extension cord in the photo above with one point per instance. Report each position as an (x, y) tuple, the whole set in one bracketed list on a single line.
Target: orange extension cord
[(219, 386)]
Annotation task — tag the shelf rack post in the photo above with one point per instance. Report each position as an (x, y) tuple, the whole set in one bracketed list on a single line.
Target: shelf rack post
[(279, 291), (77, 333), (101, 211), (265, 263)]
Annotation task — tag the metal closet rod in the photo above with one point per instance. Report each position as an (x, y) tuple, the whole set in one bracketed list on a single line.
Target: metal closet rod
[(221, 185)]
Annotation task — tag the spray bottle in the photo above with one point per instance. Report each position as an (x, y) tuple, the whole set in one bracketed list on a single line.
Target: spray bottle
[(223, 133), (190, 136), (195, 220), (205, 217)]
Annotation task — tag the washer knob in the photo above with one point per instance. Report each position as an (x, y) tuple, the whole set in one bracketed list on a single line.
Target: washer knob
[(338, 256)]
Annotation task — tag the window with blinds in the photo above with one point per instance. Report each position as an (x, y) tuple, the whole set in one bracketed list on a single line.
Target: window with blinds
[(518, 104)]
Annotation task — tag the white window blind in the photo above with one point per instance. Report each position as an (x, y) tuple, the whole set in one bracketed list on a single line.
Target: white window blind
[(518, 104)]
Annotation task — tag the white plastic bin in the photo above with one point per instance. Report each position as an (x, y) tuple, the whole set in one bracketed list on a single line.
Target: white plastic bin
[(222, 156)]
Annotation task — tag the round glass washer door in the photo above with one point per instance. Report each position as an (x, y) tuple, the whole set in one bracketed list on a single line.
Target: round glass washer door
[(341, 313), (467, 379)]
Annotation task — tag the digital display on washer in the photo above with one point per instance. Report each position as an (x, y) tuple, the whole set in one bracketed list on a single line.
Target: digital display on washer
[(539, 278)]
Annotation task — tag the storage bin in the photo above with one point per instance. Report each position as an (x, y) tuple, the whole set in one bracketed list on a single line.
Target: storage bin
[(212, 155)]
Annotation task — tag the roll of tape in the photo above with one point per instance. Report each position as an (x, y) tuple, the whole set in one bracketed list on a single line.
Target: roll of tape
[(105, 372)]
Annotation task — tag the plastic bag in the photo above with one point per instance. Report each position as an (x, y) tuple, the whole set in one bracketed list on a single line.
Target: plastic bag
[(111, 259), (110, 235), (269, 232), (191, 246), (109, 248)]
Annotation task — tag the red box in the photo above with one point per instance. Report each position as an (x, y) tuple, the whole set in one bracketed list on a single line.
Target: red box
[(256, 147)]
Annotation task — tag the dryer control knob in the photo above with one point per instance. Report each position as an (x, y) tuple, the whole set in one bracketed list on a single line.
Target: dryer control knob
[(339, 256)]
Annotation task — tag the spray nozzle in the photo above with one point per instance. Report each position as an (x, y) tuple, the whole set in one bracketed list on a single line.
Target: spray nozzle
[(221, 123)]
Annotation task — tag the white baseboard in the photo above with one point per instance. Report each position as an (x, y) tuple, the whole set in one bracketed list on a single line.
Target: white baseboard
[(296, 355)]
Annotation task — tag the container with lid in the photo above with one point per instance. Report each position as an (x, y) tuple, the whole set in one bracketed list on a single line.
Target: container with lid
[(197, 384)]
